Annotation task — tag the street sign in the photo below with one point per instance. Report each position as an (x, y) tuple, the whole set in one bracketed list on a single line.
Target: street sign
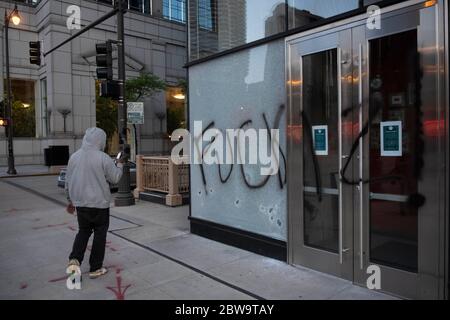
[(135, 111)]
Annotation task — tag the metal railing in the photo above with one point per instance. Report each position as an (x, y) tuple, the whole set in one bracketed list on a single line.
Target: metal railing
[(160, 174)]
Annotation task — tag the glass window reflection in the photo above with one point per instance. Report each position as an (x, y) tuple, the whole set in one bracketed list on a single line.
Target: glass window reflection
[(219, 25), (304, 12)]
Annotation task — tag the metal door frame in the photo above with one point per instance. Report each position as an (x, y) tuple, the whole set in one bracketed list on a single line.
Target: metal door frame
[(446, 80), (333, 263), (406, 284), (295, 183)]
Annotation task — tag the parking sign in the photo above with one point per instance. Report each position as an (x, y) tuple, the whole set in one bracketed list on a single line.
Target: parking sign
[(135, 112)]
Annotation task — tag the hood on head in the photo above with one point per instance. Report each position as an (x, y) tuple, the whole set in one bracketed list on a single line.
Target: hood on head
[(94, 138)]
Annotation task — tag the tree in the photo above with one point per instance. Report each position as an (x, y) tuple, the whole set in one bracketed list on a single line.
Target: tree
[(182, 83), (23, 116), (146, 84)]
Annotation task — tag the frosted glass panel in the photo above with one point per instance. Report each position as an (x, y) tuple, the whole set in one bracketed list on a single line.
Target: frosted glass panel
[(230, 91)]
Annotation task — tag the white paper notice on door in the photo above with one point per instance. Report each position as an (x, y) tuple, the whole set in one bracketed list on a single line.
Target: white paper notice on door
[(391, 139), (320, 140)]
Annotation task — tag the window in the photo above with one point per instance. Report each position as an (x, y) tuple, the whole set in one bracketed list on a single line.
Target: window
[(136, 5), (45, 115), (142, 6), (175, 101), (23, 107), (206, 12), (106, 1), (30, 2), (174, 10)]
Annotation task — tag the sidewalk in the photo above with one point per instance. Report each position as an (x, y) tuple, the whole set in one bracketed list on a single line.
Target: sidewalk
[(150, 255), (25, 170)]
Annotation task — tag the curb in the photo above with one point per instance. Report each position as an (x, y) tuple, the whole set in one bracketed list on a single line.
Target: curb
[(29, 175)]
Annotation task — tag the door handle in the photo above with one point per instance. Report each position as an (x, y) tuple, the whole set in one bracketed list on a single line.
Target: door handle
[(341, 221), (361, 156)]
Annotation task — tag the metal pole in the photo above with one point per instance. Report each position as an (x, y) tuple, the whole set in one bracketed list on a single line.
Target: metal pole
[(87, 28), (124, 196), (9, 129)]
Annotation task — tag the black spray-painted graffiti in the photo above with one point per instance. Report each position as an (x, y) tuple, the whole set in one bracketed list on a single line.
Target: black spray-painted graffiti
[(376, 105), (282, 174)]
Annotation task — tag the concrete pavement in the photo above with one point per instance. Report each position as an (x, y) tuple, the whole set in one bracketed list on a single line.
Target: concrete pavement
[(150, 254)]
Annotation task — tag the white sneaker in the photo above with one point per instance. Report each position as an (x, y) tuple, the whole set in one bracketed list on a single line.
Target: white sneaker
[(98, 273), (73, 265)]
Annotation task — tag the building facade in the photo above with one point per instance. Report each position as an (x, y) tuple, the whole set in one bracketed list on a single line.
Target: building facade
[(56, 102), (360, 97)]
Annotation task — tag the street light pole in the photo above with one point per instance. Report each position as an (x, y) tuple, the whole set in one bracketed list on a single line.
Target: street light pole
[(124, 196), (9, 128)]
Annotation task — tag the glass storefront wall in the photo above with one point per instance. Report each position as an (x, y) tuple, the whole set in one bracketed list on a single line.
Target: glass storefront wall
[(45, 115), (248, 88), (219, 25)]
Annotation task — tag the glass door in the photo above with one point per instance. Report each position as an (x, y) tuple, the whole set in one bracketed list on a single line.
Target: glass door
[(367, 144), (400, 185), (326, 220)]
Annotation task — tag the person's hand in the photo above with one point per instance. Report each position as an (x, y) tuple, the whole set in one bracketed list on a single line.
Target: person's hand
[(70, 208)]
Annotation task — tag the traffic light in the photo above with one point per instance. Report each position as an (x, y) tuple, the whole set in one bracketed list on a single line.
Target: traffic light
[(104, 60), (4, 122), (35, 52), (109, 89)]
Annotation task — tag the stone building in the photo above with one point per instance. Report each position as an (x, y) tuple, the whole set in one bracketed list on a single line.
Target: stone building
[(65, 83)]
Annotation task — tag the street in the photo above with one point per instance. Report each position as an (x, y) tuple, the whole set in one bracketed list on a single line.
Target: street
[(150, 255)]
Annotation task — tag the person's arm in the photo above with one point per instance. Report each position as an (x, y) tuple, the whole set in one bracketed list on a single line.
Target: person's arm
[(70, 208), (113, 172)]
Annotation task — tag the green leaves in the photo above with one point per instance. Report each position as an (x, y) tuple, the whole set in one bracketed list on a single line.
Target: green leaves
[(143, 86), (23, 116)]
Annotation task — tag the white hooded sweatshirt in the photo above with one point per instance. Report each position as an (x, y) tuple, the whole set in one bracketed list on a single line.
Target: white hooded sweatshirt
[(89, 171)]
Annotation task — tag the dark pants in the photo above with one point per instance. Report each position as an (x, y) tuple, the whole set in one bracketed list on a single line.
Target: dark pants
[(91, 220)]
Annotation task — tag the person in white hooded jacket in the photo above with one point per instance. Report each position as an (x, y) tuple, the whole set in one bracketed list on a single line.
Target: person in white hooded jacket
[(87, 189)]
